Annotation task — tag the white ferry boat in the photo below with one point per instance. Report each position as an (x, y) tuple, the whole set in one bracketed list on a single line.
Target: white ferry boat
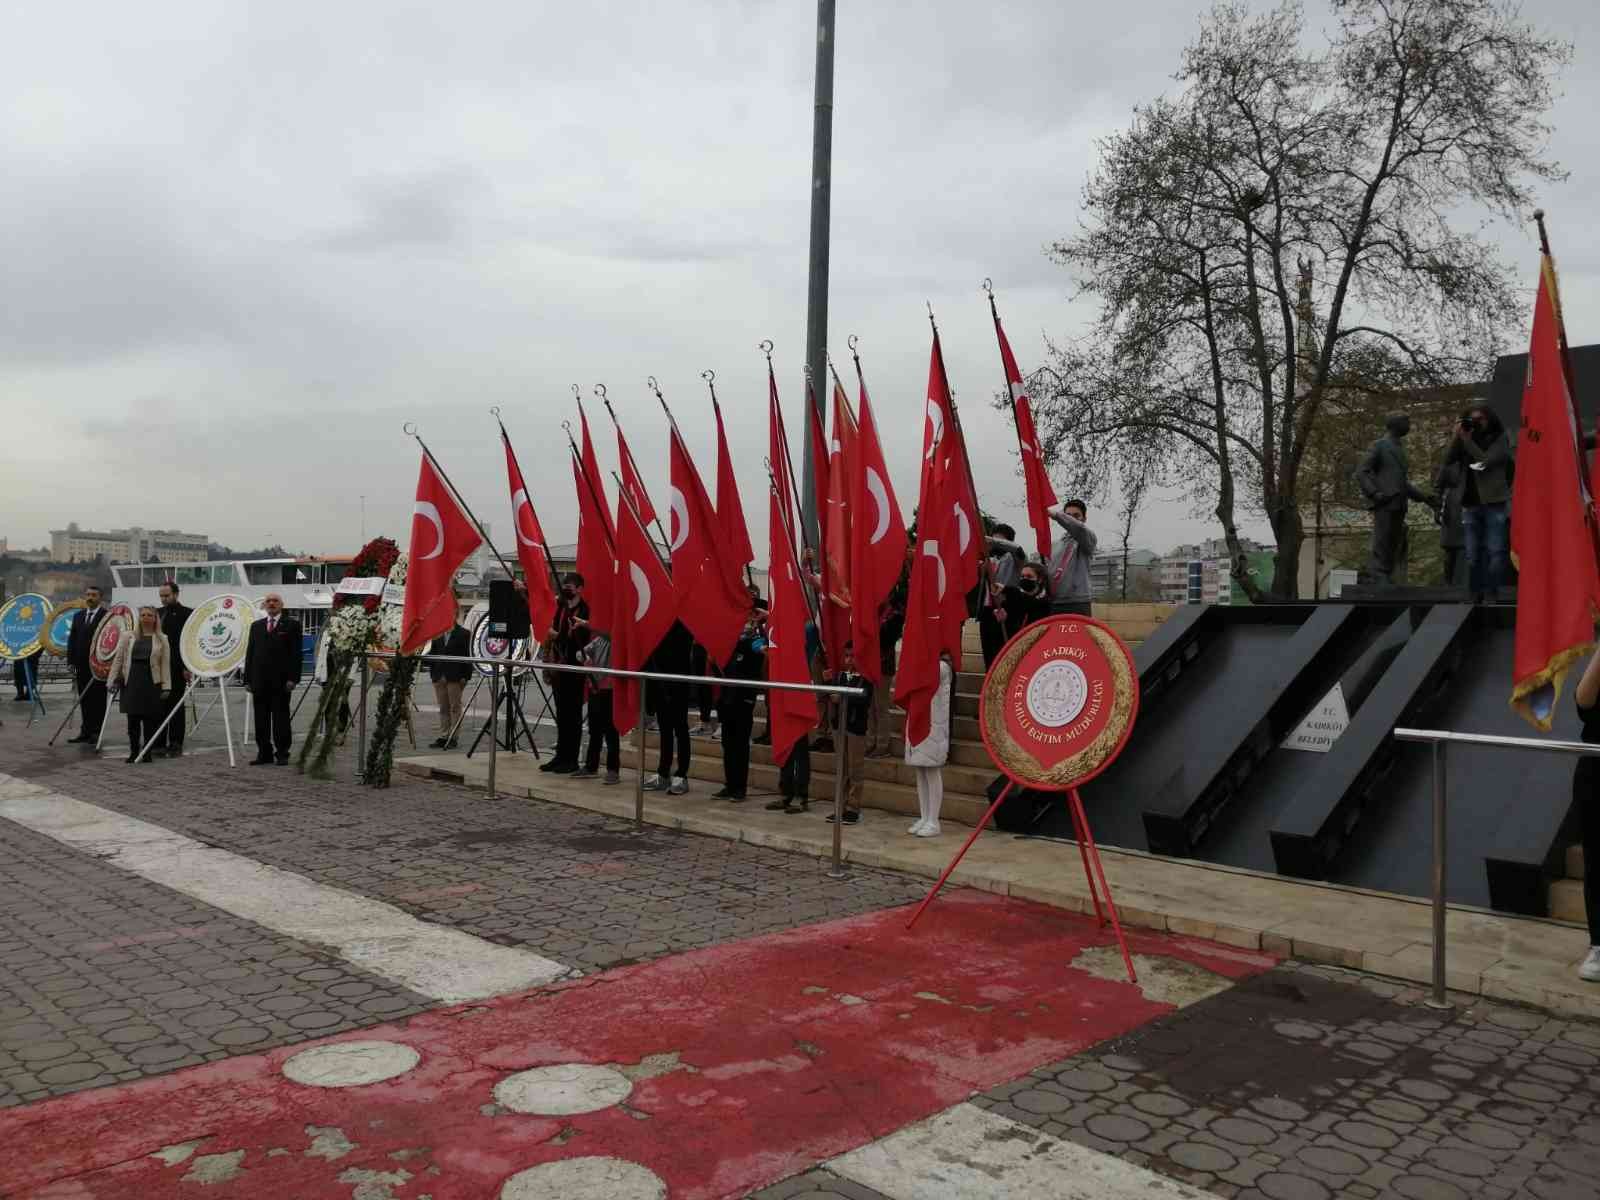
[(306, 585)]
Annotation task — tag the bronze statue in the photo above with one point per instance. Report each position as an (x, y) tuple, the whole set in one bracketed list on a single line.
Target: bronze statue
[(1383, 480)]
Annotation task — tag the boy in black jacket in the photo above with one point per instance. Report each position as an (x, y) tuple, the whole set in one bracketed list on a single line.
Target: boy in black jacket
[(737, 706)]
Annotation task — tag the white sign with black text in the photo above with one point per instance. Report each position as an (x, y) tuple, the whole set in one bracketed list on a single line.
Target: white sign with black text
[(1321, 727)]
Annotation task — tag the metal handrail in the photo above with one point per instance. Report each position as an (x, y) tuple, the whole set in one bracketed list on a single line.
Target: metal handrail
[(522, 666), (1441, 740)]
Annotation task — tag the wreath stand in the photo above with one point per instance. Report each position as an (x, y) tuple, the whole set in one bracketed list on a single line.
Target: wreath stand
[(1087, 850)]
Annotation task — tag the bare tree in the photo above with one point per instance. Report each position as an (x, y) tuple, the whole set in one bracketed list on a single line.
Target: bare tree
[(1284, 181), (1135, 486)]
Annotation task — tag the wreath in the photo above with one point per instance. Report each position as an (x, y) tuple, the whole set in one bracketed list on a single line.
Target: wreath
[(352, 627), (395, 701)]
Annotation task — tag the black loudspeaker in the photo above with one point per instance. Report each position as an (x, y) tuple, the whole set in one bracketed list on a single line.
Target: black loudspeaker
[(508, 612)]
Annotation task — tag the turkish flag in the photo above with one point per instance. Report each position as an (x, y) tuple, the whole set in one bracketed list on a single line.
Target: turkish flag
[(877, 542), (632, 484), (596, 534), (711, 603), (790, 715), (442, 536), (1552, 536), (536, 567), (837, 584), (946, 488), (645, 610), (925, 638), (730, 513), (778, 449), (1041, 495)]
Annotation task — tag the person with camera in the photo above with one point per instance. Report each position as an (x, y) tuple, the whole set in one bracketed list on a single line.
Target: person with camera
[(1482, 453), (571, 635), (737, 705)]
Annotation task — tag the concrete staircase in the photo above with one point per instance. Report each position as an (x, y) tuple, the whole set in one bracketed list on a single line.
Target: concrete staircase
[(1566, 895), (890, 785)]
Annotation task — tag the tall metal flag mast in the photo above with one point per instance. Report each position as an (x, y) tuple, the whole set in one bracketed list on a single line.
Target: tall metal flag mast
[(817, 285)]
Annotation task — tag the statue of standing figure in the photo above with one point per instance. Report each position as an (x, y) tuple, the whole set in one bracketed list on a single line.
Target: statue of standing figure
[(1383, 479)]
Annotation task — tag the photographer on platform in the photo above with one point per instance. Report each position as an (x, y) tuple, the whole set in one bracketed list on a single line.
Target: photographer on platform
[(1482, 452)]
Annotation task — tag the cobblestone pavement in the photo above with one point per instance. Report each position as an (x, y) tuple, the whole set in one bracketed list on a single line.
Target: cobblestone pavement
[(105, 976), (1307, 1083)]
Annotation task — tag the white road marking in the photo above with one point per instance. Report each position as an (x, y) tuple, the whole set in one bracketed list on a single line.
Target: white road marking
[(563, 1090), (350, 1064), (444, 964), (965, 1153)]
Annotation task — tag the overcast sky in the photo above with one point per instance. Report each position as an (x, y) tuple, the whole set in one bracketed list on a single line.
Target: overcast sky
[(241, 243)]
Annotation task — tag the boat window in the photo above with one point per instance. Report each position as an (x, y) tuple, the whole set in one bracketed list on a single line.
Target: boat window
[(223, 573), (149, 577), (191, 575), (268, 573)]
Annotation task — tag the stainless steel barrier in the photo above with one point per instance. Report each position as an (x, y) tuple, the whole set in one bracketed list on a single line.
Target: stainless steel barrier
[(1441, 740), (761, 685)]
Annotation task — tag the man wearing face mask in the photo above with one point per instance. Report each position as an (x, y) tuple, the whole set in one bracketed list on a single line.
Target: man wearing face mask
[(1024, 602), (1382, 478)]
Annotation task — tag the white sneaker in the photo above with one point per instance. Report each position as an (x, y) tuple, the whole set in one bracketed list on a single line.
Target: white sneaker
[(678, 787), (916, 829), (929, 829), (1590, 970), (655, 783)]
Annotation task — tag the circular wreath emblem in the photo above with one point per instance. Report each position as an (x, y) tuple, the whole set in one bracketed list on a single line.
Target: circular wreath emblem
[(117, 624), (23, 621), (1059, 703)]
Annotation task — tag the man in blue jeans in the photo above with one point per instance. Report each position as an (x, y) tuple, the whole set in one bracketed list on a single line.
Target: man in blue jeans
[(1483, 451)]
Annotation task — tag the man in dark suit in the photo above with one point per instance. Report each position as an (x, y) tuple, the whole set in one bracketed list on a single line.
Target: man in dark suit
[(271, 671), (80, 642), (173, 615)]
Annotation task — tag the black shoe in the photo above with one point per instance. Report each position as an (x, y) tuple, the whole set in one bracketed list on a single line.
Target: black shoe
[(851, 817), (438, 743), (562, 768), (79, 738), (722, 794), (282, 760), (175, 752), (764, 740), (258, 761), (132, 757), (452, 744), (779, 805), (823, 745), (549, 766), (737, 798)]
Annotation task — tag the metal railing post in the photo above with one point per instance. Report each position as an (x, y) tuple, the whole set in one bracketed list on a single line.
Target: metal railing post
[(840, 765), (494, 717), (1440, 784), (361, 723), (638, 776)]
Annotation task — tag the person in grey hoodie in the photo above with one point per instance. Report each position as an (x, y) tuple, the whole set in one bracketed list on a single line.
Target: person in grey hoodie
[(1067, 572)]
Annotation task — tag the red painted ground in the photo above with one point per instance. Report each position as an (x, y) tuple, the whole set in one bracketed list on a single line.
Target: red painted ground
[(784, 1073)]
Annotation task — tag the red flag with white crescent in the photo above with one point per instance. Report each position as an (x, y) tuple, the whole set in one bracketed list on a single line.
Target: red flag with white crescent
[(839, 587), (730, 513), (711, 603), (1552, 538), (645, 610), (877, 542), (596, 534), (442, 538), (1041, 495), (530, 548), (791, 715)]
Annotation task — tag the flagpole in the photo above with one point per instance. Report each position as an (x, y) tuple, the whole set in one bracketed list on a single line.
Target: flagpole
[(600, 390), (549, 562), (410, 429), (598, 501)]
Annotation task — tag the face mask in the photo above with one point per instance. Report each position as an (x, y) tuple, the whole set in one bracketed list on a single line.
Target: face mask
[(1029, 585)]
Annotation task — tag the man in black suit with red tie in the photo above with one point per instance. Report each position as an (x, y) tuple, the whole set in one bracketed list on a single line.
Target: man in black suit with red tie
[(80, 643), (271, 671)]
